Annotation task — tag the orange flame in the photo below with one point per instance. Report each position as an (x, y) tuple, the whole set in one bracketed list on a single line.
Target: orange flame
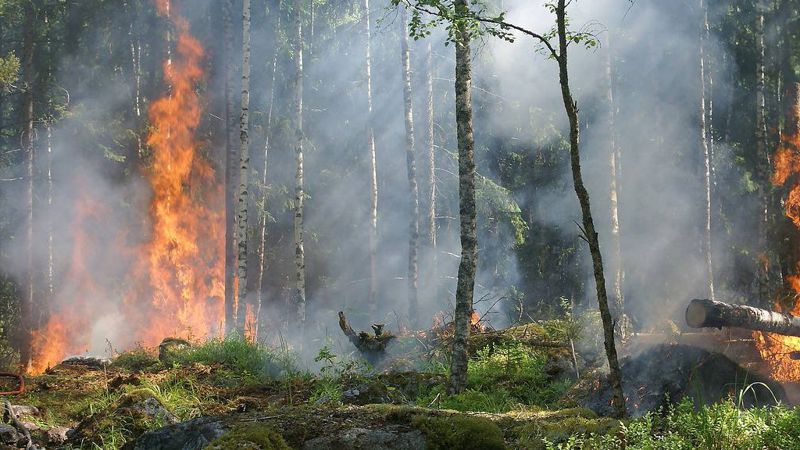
[(776, 349), (183, 262), (176, 285)]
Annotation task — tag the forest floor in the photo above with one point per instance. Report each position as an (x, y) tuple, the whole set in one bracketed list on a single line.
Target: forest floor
[(233, 394)]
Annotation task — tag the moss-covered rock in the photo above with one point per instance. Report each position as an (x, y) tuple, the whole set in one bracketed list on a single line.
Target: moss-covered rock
[(461, 432), (558, 429), (256, 436)]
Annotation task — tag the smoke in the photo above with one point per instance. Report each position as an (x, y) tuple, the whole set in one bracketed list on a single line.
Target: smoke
[(518, 109), (654, 48)]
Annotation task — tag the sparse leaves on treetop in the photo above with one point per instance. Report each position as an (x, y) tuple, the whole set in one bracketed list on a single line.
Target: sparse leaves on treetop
[(478, 21), (9, 68)]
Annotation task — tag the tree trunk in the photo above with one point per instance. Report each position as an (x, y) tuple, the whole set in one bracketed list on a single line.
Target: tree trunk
[(244, 167), (373, 167), (762, 161), (614, 165), (466, 199), (230, 181), (710, 313), (26, 308), (433, 275), (136, 78), (411, 170), (704, 146), (262, 242), (299, 195), (588, 223)]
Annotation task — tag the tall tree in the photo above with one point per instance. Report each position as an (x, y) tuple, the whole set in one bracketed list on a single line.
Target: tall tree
[(27, 306), (762, 158), (615, 377), (244, 168), (231, 156), (705, 149), (466, 199), (430, 214), (373, 164), (262, 242), (299, 194), (615, 165), (411, 170)]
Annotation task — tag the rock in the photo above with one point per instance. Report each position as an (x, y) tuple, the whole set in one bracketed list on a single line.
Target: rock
[(388, 438), (194, 434), (135, 412), (25, 410), (8, 434), (30, 426), (152, 408), (56, 435)]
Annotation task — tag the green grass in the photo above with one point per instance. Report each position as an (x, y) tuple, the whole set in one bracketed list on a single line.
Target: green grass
[(499, 380), (245, 360), (135, 360), (722, 426)]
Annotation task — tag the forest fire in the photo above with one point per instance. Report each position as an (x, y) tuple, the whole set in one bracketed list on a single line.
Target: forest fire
[(175, 284), (180, 270), (779, 350)]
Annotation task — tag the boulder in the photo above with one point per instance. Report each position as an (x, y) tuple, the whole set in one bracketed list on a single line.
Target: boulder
[(8, 434), (388, 438), (193, 434)]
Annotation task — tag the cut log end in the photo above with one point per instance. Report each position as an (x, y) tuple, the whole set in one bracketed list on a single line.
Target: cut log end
[(697, 313)]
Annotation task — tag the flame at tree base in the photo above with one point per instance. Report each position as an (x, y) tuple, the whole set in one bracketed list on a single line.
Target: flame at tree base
[(175, 282), (775, 349)]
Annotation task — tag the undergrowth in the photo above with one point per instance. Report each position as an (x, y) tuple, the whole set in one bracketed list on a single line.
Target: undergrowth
[(502, 378), (684, 426)]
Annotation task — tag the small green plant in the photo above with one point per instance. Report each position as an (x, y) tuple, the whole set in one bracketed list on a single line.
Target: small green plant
[(334, 372)]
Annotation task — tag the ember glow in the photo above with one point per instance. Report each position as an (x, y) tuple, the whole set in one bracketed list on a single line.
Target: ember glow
[(775, 349), (175, 285)]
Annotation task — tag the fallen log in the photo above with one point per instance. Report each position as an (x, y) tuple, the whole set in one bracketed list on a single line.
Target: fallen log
[(707, 313)]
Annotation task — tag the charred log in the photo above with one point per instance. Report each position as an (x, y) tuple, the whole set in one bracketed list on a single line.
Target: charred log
[(709, 313), (372, 345)]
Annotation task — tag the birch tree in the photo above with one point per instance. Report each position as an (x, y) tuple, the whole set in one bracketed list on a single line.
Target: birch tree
[(299, 194), (28, 301), (230, 157), (615, 165), (411, 171), (466, 199), (704, 146), (262, 242), (430, 214), (373, 165), (762, 155), (244, 167)]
